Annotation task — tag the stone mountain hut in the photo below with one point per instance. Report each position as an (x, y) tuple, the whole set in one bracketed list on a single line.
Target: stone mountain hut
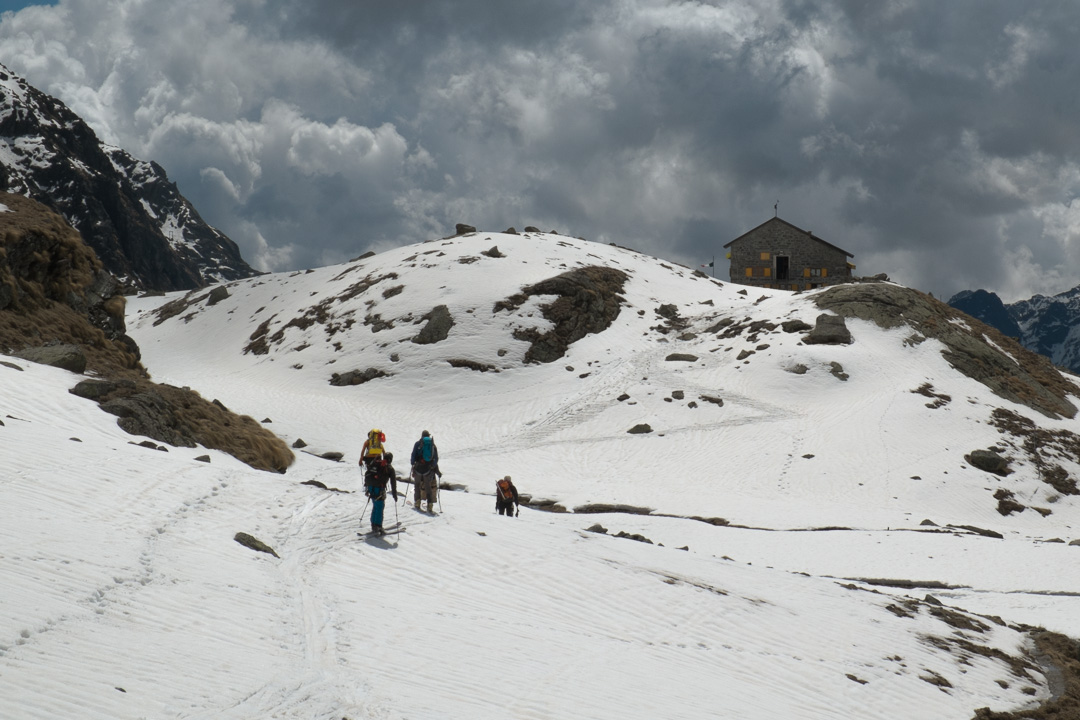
[(776, 254)]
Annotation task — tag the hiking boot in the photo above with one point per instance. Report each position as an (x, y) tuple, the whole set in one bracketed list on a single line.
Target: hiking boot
[(431, 507), (417, 504)]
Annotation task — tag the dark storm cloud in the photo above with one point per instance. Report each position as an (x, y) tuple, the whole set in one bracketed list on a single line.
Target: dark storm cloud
[(936, 141)]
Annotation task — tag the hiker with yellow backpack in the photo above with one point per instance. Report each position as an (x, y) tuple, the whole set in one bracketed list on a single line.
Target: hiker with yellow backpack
[(378, 472)]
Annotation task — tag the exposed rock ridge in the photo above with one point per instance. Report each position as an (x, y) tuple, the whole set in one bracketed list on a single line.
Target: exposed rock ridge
[(977, 350)]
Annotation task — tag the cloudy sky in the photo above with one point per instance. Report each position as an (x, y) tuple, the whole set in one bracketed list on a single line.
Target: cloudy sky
[(938, 142)]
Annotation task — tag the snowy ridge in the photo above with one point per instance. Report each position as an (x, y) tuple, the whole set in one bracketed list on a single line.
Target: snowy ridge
[(114, 545)]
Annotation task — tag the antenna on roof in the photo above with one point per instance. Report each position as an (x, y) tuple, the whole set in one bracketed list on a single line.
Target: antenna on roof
[(775, 210)]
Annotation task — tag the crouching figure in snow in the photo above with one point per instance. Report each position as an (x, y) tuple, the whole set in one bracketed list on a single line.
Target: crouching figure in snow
[(506, 497)]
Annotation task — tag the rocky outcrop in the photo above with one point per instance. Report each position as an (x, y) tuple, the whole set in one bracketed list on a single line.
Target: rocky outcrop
[(137, 222), (828, 330), (587, 301), (65, 356), (437, 329), (973, 348), (56, 291), (356, 377), (989, 461)]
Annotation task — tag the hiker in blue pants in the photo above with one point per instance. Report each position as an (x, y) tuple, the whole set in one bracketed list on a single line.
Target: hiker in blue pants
[(378, 472)]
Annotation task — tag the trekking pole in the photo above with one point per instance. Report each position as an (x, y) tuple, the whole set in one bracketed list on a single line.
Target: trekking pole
[(365, 510), (438, 495)]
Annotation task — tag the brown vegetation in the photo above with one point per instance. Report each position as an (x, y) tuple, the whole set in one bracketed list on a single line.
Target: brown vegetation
[(57, 293)]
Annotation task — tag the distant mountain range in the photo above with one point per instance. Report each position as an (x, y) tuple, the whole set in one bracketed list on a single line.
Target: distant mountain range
[(1049, 326), (141, 227)]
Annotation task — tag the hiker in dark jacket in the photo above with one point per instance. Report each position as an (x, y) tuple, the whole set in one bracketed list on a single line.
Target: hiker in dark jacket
[(506, 497), (378, 472), (425, 467)]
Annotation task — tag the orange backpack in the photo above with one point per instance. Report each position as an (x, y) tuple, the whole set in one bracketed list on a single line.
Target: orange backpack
[(504, 489)]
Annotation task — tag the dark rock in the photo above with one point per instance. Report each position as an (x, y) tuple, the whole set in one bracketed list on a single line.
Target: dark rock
[(493, 252), (439, 322), (979, 531), (66, 357), (597, 528), (929, 523), (531, 229), (332, 455), (94, 389), (463, 229), (794, 326), (678, 394), (989, 461), (219, 293), (356, 377), (472, 365), (11, 365), (253, 543), (623, 397), (799, 369), (203, 458), (587, 301), (510, 231), (598, 508), (267, 421), (723, 323), (829, 330), (1006, 504), (931, 600), (149, 414), (712, 399), (681, 357), (633, 536), (299, 443), (744, 354), (640, 429), (837, 371)]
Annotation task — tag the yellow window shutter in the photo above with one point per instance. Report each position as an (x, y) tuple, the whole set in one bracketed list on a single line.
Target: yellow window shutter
[(764, 256), (767, 272), (806, 272), (749, 272), (824, 272)]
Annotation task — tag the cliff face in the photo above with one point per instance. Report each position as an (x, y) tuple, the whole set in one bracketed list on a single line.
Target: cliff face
[(136, 221)]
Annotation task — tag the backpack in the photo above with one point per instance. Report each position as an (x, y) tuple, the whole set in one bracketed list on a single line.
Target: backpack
[(427, 448), (375, 439), (504, 489)]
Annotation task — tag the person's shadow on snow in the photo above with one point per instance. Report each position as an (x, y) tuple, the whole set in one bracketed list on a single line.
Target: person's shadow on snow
[(380, 542)]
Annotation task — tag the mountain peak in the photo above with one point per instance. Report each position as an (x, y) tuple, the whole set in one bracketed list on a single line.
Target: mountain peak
[(145, 232)]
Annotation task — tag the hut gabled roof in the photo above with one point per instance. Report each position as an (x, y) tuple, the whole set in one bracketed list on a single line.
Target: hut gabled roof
[(793, 227)]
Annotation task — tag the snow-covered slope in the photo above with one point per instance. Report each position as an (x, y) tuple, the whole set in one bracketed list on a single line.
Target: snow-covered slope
[(126, 596)]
